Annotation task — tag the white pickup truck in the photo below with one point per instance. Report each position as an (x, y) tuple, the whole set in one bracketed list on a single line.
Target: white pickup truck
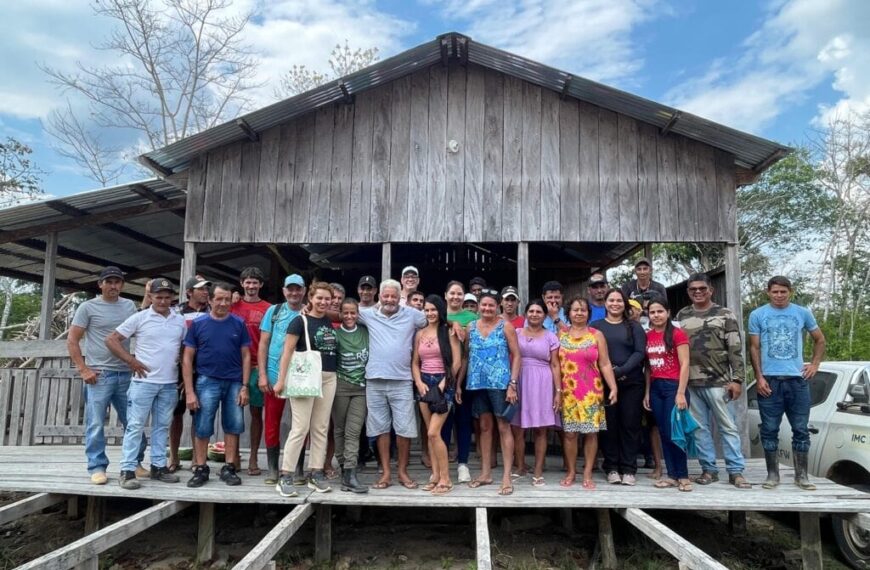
[(840, 434)]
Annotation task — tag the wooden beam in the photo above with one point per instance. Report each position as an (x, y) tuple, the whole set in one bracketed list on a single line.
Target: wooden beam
[(484, 551), (285, 265), (146, 192), (93, 544), (671, 122), (155, 166), (275, 540), (28, 506), (205, 533), (188, 269), (811, 541), (49, 274), (40, 259), (246, 128), (566, 88), (91, 220), (34, 278), (323, 534), (386, 261), (39, 245), (605, 540), (523, 272), (770, 160), (684, 551)]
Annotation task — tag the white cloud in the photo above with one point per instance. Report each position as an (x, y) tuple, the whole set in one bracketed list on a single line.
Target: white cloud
[(592, 38), (801, 45)]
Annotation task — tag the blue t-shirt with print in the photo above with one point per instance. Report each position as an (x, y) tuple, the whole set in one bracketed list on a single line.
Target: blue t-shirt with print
[(781, 333), (218, 344), (276, 325)]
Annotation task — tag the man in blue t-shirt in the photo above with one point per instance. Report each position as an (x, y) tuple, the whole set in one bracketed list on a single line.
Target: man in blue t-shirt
[(776, 333), (221, 344)]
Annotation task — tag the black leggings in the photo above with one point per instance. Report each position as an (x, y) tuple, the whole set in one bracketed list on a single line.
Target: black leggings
[(621, 441)]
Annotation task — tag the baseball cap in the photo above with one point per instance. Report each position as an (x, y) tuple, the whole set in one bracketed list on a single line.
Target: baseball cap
[(196, 283), (641, 261), (410, 269), (551, 286), (469, 297), (367, 280), (634, 304), (162, 285), (510, 291), (294, 279), (598, 279), (111, 271)]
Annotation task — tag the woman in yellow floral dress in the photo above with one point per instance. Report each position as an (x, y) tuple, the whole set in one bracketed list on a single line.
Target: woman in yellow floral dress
[(584, 361)]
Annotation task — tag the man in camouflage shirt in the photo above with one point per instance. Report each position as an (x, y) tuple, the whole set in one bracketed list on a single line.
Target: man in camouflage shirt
[(716, 374)]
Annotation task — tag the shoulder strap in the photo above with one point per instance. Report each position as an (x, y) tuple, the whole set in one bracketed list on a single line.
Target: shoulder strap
[(305, 328)]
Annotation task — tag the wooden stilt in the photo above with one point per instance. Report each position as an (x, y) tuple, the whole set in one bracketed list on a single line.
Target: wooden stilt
[(205, 534), (605, 539), (484, 554), (811, 541), (566, 517), (72, 508), (737, 522), (323, 534), (386, 261)]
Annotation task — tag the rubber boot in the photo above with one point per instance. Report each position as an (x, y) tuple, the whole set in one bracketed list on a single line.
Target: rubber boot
[(801, 479), (272, 463), (349, 482), (772, 481)]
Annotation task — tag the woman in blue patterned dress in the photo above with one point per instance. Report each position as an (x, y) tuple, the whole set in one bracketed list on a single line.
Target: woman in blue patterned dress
[(493, 369)]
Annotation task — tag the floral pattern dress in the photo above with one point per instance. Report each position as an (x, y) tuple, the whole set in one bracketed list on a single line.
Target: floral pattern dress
[(582, 387)]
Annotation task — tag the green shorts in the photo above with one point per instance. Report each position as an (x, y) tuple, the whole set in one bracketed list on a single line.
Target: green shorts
[(255, 397)]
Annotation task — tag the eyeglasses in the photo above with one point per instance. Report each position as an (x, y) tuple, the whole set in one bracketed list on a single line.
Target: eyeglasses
[(598, 286), (698, 289)]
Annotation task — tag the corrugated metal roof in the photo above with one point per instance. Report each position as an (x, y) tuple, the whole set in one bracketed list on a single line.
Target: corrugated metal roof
[(750, 151)]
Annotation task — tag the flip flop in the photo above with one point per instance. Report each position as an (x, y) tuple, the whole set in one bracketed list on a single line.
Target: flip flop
[(665, 484), (442, 489), (566, 482), (409, 484), (538, 481), (381, 485), (588, 484), (479, 483), (429, 486), (505, 491), (254, 471), (685, 487)]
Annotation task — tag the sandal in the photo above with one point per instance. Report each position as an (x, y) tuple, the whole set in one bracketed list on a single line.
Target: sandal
[(428, 487), (567, 481), (409, 484), (665, 484), (442, 489), (506, 490), (254, 471), (685, 485), (538, 481), (739, 481), (381, 485), (706, 478), (479, 483)]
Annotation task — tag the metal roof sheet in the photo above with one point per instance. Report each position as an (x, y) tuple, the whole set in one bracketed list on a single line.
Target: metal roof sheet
[(750, 151)]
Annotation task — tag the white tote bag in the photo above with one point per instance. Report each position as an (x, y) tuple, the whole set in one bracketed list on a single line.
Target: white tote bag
[(304, 379)]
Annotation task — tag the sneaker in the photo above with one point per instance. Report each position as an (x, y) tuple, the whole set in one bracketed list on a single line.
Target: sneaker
[(317, 482), (163, 475), (300, 479), (463, 475), (128, 480), (613, 478), (141, 472), (99, 478), (228, 475), (285, 486), (200, 476), (629, 479)]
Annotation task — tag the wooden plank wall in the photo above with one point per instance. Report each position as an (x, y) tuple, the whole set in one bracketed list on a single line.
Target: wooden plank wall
[(462, 154)]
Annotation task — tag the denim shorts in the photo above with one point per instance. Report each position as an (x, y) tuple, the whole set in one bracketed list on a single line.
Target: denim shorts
[(489, 401), (213, 392), (390, 404), (432, 381)]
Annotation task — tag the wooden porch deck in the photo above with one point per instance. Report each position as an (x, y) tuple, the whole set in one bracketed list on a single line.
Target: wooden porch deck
[(58, 472)]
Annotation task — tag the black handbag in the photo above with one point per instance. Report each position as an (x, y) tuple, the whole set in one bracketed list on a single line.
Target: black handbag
[(436, 400)]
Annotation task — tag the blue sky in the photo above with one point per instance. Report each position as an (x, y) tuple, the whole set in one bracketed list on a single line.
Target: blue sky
[(777, 68)]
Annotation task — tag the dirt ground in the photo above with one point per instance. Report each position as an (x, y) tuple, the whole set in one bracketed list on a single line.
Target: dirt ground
[(378, 538)]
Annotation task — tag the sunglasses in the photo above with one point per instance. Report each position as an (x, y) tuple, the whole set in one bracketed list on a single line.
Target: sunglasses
[(698, 289)]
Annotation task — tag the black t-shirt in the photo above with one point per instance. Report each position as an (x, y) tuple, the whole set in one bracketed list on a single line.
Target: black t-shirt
[(322, 338), (627, 351)]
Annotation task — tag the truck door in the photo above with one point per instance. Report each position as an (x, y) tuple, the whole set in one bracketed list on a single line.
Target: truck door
[(823, 404)]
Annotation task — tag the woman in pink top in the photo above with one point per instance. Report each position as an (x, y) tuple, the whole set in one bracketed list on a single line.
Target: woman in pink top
[(435, 366)]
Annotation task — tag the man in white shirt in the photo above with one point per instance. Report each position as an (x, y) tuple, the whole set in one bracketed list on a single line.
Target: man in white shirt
[(159, 332)]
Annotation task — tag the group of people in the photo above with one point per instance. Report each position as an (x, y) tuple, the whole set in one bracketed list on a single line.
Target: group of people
[(606, 367)]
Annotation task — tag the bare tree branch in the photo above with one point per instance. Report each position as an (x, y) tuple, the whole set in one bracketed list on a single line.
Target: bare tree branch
[(342, 61)]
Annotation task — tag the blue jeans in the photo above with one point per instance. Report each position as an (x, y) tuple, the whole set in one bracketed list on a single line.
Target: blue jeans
[(708, 403), (144, 399), (661, 395), (110, 388), (214, 392), (789, 395)]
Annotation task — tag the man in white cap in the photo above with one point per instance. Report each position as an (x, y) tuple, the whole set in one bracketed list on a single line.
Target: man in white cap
[(159, 331), (410, 283)]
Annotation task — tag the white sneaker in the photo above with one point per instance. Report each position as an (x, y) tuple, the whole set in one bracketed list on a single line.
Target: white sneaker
[(629, 479), (613, 478), (463, 474)]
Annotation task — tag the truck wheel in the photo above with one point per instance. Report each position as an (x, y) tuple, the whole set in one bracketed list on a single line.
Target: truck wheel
[(853, 540)]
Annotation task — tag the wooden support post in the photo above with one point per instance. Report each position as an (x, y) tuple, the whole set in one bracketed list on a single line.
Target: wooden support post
[(188, 268), (72, 508), (737, 522), (605, 540), (205, 534), (267, 548), (386, 261), (566, 517), (523, 272), (46, 311), (647, 251), (84, 552), (733, 301), (94, 514), (323, 533), (687, 554), (30, 505), (811, 541), (484, 554)]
